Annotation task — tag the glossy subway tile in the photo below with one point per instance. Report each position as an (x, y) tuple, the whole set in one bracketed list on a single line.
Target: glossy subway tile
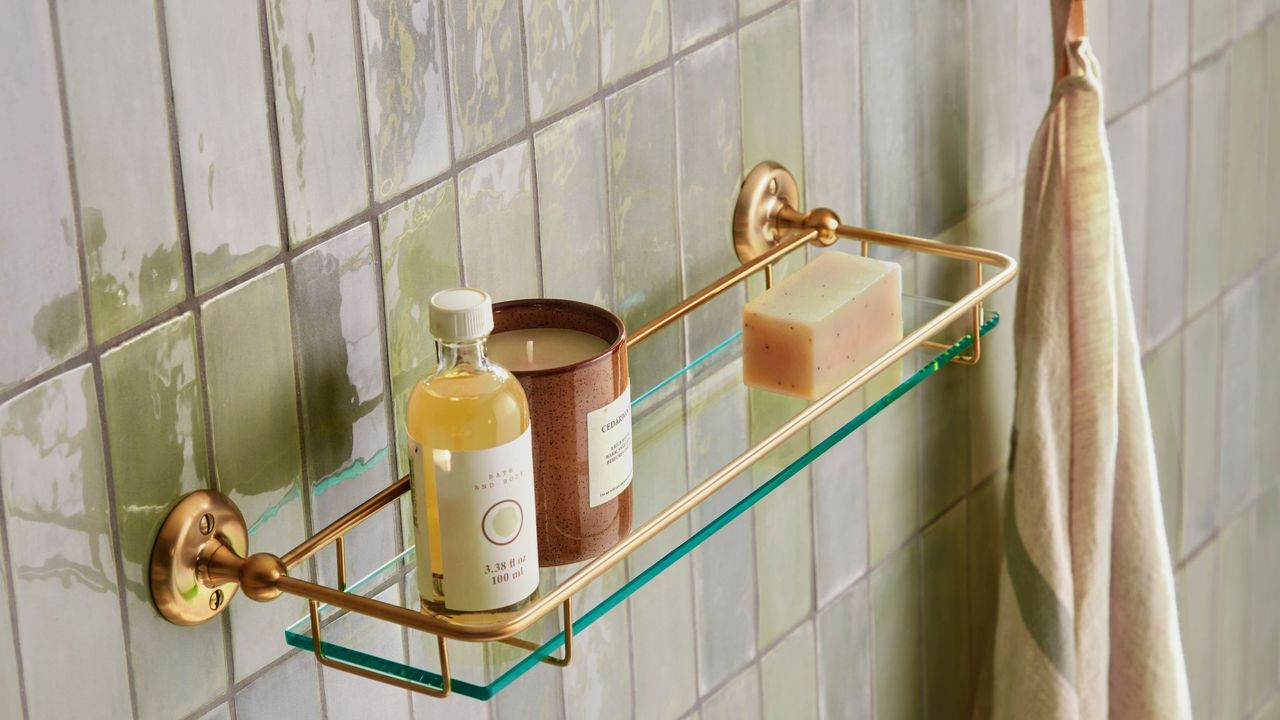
[(42, 316), (945, 610), (844, 655), (155, 420), (789, 676), (896, 635), (832, 111), (563, 44), (256, 444), (888, 128), (62, 550), (124, 171), (694, 20), (634, 34), (485, 73), (220, 100), (318, 114), (573, 212), (344, 417), (496, 214), (405, 88)]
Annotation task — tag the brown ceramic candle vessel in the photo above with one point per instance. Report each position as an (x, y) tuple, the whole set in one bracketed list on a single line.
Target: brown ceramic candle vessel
[(566, 404)]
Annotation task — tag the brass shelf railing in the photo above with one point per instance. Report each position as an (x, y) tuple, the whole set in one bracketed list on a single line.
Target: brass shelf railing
[(200, 558)]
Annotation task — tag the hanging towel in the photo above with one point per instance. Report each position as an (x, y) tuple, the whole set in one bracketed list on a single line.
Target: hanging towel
[(1087, 626)]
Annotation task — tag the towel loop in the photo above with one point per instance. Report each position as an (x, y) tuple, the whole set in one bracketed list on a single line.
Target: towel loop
[(1073, 32)]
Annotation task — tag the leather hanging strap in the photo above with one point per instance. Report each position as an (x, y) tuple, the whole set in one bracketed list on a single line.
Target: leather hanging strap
[(1068, 29)]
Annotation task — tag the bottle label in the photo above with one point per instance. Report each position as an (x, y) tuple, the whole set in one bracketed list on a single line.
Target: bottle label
[(488, 541), (609, 465)]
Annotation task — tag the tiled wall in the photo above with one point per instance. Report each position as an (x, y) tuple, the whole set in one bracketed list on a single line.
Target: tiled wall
[(220, 222)]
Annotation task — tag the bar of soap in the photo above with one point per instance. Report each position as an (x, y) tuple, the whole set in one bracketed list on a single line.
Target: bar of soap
[(821, 324)]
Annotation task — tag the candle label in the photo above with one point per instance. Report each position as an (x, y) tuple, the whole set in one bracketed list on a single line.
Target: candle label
[(488, 543), (609, 449)]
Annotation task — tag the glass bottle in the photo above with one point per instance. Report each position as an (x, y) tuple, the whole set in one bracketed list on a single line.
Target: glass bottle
[(471, 470)]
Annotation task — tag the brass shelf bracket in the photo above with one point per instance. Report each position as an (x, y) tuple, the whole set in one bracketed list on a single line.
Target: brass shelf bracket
[(201, 557)]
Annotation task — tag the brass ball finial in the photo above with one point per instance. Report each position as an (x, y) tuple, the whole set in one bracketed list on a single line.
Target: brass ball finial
[(259, 576), (825, 222)]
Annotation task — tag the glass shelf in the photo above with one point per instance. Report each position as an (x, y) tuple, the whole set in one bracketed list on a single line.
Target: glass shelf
[(704, 402)]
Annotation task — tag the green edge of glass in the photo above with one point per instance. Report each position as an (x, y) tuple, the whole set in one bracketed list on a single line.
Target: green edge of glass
[(486, 692)]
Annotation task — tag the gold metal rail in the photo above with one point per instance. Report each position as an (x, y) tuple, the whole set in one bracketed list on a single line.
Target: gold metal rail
[(203, 542)]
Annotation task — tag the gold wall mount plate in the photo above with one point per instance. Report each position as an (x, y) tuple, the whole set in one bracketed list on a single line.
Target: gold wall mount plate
[(766, 190), (199, 525)]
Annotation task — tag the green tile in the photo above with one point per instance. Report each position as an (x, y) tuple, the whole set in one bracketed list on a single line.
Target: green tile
[(769, 67), (318, 114), (124, 173), (155, 418), (1166, 269), (634, 34), (256, 455), (829, 47), (789, 677), (10, 690), (564, 53), (347, 695), (659, 448), (1170, 40), (1127, 71), (1246, 190), (1129, 140), (693, 20), (662, 636), (1162, 369), (1239, 438), (219, 94), (646, 250), (1270, 711), (404, 82), (538, 693), (1268, 379), (889, 123), (1201, 397), (946, 616), (944, 440), (986, 560), (42, 316), (419, 240), (993, 163), (1264, 618), (1271, 240), (290, 688), (942, 62), (485, 73), (61, 554), (840, 532), (495, 209), (1197, 584), (1210, 26), (344, 418), (709, 162), (739, 699), (1207, 180), (598, 682), (896, 635), (1231, 624), (573, 215), (844, 655), (893, 491)]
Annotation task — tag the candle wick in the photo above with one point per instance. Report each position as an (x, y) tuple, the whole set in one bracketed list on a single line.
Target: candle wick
[(528, 350)]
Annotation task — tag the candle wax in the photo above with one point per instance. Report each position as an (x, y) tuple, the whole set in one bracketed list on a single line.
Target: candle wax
[(543, 348)]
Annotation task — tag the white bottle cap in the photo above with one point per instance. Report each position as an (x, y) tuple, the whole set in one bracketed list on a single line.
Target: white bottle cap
[(461, 314)]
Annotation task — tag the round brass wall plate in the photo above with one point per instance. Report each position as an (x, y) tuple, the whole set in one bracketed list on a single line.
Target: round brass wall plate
[(201, 518), (768, 186)]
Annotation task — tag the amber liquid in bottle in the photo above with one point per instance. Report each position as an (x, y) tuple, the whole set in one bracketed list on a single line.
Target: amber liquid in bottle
[(469, 404)]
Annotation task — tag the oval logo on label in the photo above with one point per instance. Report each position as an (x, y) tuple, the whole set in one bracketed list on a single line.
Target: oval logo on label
[(502, 522)]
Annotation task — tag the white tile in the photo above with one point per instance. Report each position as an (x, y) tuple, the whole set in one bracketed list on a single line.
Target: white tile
[(1201, 392), (61, 550), (1128, 140), (889, 76), (1170, 39), (495, 210), (1211, 26), (693, 20), (662, 634), (220, 94), (993, 105), (1166, 216), (42, 316), (789, 677), (318, 113), (1207, 180), (564, 53), (942, 73), (404, 84), (290, 689), (1126, 74), (1238, 461), (573, 216), (739, 699), (832, 112), (116, 103), (844, 656), (633, 35)]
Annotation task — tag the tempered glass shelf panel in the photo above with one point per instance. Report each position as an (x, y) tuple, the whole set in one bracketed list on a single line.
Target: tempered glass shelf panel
[(686, 427)]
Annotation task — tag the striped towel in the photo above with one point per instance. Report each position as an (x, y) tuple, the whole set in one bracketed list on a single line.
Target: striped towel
[(1087, 626)]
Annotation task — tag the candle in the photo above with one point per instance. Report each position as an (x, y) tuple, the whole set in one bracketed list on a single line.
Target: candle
[(571, 360), (543, 348)]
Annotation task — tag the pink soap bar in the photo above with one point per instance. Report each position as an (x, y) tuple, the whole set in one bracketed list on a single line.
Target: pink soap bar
[(821, 324)]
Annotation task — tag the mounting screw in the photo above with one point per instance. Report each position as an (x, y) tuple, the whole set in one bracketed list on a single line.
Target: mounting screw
[(206, 523), (773, 186), (215, 600)]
